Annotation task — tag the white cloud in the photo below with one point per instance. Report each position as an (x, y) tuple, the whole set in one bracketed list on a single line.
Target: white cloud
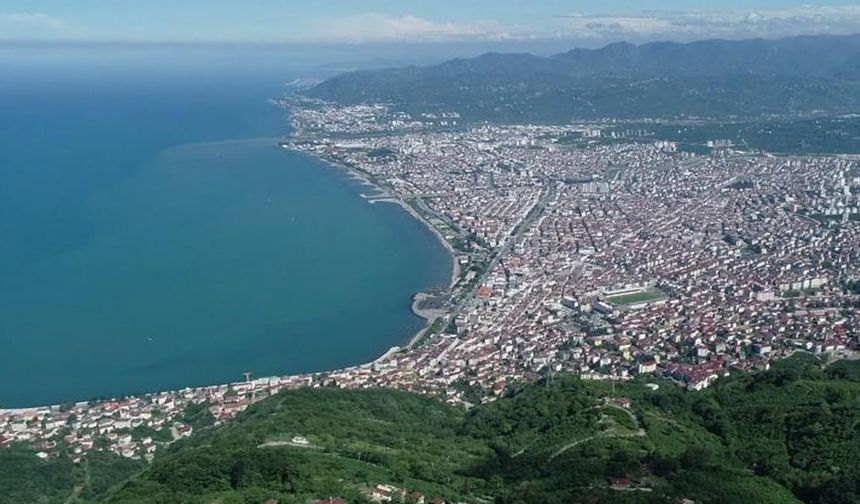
[(571, 29), (30, 25), (640, 26), (804, 19), (373, 27)]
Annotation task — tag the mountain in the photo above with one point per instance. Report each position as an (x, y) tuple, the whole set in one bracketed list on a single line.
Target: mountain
[(713, 78), (848, 70), (788, 435)]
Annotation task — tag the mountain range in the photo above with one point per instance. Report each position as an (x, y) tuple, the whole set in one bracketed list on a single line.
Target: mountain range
[(712, 78)]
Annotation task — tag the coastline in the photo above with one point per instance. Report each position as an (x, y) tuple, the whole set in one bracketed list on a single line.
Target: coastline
[(455, 264), (384, 196), (428, 315)]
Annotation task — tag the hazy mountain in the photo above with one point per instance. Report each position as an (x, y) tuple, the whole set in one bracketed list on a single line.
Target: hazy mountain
[(711, 78)]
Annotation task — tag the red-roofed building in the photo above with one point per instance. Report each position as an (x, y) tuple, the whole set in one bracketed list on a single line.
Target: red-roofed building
[(620, 483)]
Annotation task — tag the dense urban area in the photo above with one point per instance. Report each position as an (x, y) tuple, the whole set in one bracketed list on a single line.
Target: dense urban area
[(607, 259), (574, 251)]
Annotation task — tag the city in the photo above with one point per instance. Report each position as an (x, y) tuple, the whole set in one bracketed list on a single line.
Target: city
[(605, 259), (483, 252)]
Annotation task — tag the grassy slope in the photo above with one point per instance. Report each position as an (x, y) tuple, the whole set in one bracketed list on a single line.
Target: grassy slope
[(26, 479), (558, 443), (356, 438), (778, 437)]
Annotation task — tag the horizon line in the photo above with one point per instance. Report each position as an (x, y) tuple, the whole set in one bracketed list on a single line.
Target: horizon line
[(262, 44)]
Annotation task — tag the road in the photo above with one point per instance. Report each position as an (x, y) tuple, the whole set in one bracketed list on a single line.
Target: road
[(548, 192)]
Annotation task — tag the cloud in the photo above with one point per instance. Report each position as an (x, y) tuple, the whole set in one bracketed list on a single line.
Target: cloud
[(30, 25), (570, 29), (804, 19), (596, 28), (373, 27)]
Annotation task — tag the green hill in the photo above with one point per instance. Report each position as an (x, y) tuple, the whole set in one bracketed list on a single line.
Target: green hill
[(710, 78), (786, 435)]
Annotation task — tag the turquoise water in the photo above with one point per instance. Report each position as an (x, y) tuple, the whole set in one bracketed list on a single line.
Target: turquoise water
[(153, 236)]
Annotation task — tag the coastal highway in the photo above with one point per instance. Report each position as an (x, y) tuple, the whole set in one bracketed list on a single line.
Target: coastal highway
[(461, 300), (547, 194)]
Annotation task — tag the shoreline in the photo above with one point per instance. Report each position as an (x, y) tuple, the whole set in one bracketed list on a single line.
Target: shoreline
[(384, 196), (455, 264), (429, 316)]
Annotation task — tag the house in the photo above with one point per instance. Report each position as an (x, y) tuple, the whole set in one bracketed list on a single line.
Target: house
[(384, 493), (647, 367), (620, 483), (623, 402), (184, 430)]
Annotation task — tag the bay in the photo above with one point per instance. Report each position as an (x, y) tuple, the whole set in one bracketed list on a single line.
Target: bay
[(154, 236)]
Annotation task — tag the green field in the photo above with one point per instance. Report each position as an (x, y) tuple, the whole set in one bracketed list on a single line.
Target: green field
[(634, 298)]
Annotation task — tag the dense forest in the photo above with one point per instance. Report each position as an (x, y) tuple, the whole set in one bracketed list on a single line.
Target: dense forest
[(790, 434)]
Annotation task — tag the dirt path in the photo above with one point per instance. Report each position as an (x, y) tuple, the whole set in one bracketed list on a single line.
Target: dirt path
[(639, 432), (76, 491), (569, 446), (275, 444)]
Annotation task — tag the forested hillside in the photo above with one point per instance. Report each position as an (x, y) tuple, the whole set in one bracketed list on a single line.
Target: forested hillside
[(712, 78), (791, 434)]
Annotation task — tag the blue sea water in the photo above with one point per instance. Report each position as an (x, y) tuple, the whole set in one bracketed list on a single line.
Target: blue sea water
[(153, 236)]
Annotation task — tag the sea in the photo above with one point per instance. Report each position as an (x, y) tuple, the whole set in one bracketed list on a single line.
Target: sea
[(154, 236)]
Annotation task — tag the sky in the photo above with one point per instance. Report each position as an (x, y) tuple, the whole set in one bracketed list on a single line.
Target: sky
[(584, 23)]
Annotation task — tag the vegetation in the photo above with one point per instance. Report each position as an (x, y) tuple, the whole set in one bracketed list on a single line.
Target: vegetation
[(786, 135), (163, 435), (437, 326), (198, 415), (742, 184), (356, 437), (645, 296), (24, 478), (749, 78), (783, 436), (103, 470)]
